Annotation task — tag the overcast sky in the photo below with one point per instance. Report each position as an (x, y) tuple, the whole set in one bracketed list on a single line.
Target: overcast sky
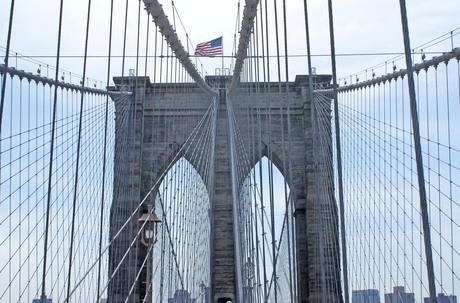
[(361, 27), (365, 27)]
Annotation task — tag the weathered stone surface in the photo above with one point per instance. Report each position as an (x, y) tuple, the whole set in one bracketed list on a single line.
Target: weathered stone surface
[(271, 123)]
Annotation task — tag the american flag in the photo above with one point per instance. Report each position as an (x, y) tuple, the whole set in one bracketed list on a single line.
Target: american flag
[(209, 48)]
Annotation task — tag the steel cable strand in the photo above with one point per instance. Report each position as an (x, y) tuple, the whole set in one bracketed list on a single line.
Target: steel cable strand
[(289, 164), (7, 54), (104, 167), (51, 159), (254, 254), (249, 13), (318, 208), (17, 208), (347, 159), (445, 57), (133, 214), (326, 193), (136, 133), (366, 139), (239, 246), (323, 108), (125, 108), (241, 150), (250, 229), (58, 211), (87, 213), (90, 179), (87, 180), (369, 222), (273, 239), (161, 20), (170, 238), (237, 138), (261, 291), (77, 165), (201, 140), (203, 155), (11, 211), (279, 250)]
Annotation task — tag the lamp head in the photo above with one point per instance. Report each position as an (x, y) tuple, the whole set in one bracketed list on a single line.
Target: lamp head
[(149, 230)]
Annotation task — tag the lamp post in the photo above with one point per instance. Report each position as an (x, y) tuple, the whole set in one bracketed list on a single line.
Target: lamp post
[(250, 276), (203, 291), (149, 233)]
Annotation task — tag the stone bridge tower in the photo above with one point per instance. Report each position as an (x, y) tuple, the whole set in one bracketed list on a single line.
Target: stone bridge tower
[(138, 170)]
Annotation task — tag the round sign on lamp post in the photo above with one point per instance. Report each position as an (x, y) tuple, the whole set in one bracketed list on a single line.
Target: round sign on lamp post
[(149, 233)]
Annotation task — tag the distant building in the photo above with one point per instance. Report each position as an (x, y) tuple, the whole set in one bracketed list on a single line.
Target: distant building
[(365, 296), (43, 299), (181, 296), (399, 296), (442, 298)]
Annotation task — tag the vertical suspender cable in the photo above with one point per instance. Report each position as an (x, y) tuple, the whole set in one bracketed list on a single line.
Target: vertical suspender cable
[(266, 76), (418, 153), (270, 172), (77, 164), (272, 219), (339, 155), (321, 250), (256, 277), (132, 129), (266, 40), (155, 56), (277, 46), (124, 42), (141, 147), (50, 173), (164, 255), (262, 209), (101, 219), (236, 215), (286, 62), (255, 295), (262, 47), (138, 38), (147, 45), (5, 75), (7, 53), (310, 76)]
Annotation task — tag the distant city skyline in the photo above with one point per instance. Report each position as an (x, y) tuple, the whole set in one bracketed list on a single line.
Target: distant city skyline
[(44, 299), (399, 295), (365, 296), (442, 298)]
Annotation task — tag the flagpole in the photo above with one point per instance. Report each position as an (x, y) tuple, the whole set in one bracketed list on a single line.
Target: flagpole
[(223, 71)]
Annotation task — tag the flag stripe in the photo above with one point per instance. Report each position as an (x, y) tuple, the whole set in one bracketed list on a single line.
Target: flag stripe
[(209, 48)]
